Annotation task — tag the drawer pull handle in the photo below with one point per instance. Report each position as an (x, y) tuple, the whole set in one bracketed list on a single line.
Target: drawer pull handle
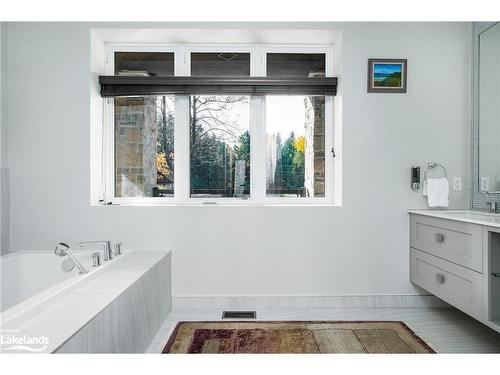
[(496, 274), (439, 278), (439, 237)]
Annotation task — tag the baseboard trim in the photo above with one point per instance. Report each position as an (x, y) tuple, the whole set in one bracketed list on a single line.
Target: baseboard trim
[(305, 302)]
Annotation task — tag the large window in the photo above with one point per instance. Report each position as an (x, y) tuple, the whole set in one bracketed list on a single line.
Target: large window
[(223, 148)]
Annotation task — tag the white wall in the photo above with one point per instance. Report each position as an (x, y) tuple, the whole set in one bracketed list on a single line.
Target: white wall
[(3, 97), (359, 248), (489, 107), (2, 190), (4, 171), (3, 149)]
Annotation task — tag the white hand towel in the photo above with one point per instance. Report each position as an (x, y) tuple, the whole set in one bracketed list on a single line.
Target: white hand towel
[(437, 191)]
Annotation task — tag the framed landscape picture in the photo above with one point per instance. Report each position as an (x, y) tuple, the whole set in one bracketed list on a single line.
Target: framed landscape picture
[(387, 75)]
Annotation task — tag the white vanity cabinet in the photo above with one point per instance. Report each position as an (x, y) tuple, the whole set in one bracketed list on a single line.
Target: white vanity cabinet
[(455, 255)]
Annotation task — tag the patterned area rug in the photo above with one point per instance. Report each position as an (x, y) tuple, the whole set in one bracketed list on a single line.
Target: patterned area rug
[(294, 337)]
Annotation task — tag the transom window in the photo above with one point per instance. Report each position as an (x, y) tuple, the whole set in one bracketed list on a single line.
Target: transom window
[(225, 148)]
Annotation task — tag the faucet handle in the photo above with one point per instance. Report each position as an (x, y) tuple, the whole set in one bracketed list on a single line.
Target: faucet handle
[(492, 206), (96, 259), (108, 252), (117, 248)]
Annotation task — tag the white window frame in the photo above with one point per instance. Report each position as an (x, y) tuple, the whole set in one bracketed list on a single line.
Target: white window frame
[(182, 67)]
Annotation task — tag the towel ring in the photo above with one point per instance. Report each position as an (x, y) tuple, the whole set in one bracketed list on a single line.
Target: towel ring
[(434, 165)]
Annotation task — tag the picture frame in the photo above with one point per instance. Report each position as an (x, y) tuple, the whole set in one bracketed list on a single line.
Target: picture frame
[(387, 75)]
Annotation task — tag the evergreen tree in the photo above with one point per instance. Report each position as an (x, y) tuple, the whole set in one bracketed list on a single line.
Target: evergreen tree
[(287, 154), (278, 173)]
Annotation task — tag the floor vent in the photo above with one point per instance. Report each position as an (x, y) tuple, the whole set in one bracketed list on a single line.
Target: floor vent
[(239, 315)]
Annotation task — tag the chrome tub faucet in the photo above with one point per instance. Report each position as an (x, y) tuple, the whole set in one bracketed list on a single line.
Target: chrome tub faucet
[(107, 253)]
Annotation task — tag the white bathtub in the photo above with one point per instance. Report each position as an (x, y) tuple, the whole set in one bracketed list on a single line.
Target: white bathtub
[(26, 274), (34, 289)]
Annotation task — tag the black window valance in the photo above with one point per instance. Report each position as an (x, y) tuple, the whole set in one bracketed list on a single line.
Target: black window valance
[(112, 86)]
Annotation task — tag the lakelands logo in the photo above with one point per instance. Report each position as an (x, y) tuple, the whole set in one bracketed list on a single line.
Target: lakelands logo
[(11, 341)]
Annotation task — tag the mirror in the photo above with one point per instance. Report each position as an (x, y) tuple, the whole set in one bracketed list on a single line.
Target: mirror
[(489, 110)]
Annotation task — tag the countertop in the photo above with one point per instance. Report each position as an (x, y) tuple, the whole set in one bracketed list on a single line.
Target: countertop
[(466, 216)]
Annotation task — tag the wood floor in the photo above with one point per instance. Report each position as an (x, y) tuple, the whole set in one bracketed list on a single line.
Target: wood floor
[(446, 330)]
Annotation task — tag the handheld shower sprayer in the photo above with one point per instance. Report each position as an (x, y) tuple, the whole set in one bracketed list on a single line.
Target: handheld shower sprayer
[(61, 250)]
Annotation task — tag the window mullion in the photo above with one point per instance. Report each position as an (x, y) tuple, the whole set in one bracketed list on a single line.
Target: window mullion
[(181, 148), (181, 131), (108, 140)]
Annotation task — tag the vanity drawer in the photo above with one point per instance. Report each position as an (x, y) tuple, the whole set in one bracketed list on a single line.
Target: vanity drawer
[(459, 286), (458, 242)]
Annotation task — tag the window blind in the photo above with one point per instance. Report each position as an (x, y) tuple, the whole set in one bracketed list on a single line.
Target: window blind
[(112, 86)]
